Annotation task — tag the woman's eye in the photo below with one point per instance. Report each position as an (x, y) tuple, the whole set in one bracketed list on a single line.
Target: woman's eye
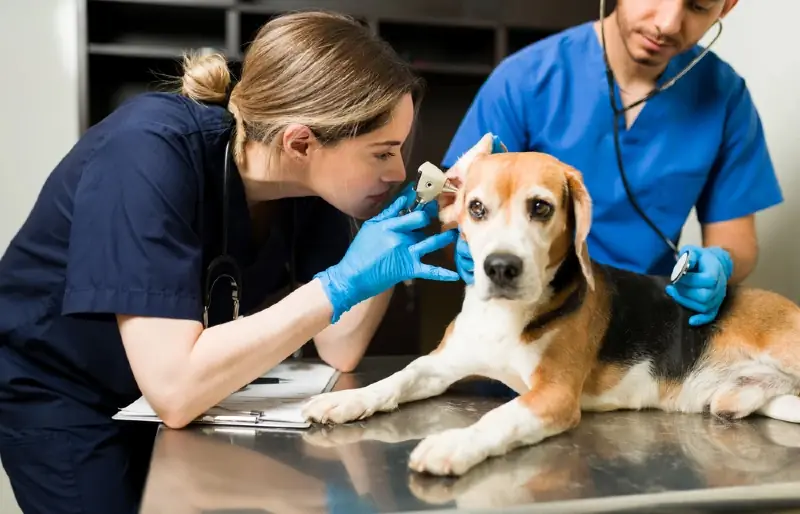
[(699, 8), (477, 209), (540, 210), (385, 156)]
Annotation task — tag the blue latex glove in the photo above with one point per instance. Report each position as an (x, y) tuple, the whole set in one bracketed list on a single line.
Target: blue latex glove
[(465, 265), (703, 288), (387, 250)]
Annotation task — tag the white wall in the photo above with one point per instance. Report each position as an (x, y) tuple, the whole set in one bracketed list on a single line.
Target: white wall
[(39, 119), (40, 105), (757, 40)]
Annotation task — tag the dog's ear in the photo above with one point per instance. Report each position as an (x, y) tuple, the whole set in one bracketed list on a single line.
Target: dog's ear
[(582, 214), (450, 208), (451, 204)]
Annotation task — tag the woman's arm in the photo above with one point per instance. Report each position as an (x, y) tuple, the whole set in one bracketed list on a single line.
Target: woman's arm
[(343, 344), (183, 370)]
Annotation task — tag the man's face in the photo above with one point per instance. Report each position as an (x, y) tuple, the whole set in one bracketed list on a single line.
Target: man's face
[(654, 31)]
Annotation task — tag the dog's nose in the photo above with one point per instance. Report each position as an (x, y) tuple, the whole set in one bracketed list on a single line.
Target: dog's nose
[(502, 268)]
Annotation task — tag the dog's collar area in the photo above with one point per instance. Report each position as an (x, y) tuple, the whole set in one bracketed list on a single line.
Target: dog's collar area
[(569, 273)]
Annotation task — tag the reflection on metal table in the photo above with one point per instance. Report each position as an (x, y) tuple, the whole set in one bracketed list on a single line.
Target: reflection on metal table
[(612, 462)]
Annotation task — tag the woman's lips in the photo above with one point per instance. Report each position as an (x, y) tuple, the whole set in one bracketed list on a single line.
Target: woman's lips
[(380, 197)]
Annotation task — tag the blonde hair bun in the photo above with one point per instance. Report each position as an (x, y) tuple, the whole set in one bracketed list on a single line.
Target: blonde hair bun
[(206, 77)]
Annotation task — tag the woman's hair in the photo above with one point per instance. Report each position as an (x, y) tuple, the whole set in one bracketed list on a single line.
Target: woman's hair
[(319, 69)]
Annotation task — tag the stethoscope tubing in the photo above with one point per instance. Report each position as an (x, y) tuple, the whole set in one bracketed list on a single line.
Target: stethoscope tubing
[(681, 261)]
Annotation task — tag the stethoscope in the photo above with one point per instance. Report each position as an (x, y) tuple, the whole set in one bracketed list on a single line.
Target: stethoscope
[(682, 260), (226, 260)]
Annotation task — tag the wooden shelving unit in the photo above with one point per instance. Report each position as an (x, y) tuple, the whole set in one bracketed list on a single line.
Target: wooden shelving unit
[(132, 46)]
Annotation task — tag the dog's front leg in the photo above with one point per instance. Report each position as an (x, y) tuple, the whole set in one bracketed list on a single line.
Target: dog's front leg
[(546, 410), (426, 376)]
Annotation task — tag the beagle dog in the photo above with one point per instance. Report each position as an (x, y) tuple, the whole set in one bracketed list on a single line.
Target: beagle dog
[(569, 334)]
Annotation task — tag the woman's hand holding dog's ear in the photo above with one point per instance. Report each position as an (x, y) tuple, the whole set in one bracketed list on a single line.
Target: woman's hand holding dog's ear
[(387, 250), (704, 287)]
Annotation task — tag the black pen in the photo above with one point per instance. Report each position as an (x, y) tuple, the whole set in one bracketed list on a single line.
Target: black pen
[(267, 380), (263, 380)]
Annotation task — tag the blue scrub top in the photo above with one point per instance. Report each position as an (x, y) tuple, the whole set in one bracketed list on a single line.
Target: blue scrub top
[(698, 144), (127, 223)]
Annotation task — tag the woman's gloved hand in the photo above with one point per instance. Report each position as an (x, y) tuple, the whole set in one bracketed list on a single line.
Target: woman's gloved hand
[(432, 208), (703, 288), (465, 265), (387, 250)]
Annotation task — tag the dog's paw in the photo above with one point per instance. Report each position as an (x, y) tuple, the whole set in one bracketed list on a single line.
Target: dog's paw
[(343, 406), (452, 452)]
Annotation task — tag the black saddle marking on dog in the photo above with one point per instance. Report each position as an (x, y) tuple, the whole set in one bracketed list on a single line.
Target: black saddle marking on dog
[(645, 323)]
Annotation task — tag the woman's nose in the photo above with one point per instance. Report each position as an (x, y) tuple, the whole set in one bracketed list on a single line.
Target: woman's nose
[(396, 172)]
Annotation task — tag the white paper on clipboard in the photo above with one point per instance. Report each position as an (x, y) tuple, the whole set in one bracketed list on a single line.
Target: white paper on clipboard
[(260, 405)]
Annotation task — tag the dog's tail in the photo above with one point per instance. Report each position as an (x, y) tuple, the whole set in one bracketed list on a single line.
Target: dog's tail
[(785, 407)]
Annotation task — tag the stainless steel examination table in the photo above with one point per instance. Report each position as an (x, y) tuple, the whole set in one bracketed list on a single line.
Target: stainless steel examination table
[(613, 462)]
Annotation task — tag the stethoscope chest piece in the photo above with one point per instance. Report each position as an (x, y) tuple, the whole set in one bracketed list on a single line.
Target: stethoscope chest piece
[(681, 268)]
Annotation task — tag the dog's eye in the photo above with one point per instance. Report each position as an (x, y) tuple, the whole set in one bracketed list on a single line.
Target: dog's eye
[(476, 209), (539, 209)]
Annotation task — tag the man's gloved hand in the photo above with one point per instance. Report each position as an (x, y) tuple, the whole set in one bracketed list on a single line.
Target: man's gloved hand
[(703, 288), (387, 250), (465, 265)]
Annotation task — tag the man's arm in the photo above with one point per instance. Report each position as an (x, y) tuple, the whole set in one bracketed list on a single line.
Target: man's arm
[(742, 182), (343, 345), (738, 237)]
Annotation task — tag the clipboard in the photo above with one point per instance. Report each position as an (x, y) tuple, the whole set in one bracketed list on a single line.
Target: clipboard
[(273, 403)]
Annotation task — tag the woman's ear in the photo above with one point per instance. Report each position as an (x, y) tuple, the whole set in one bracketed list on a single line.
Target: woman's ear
[(297, 141)]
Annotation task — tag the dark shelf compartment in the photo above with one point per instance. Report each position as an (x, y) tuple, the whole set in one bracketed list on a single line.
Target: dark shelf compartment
[(137, 28), (180, 3), (249, 25), (251, 21), (117, 78), (442, 47), (520, 37)]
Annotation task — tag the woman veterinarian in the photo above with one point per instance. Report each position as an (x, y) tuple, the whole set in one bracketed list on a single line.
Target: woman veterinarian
[(103, 292)]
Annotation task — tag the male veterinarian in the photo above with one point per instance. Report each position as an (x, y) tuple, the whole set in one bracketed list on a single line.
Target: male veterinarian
[(697, 144)]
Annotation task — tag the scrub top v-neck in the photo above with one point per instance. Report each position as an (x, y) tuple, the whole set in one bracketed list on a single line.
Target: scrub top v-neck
[(699, 144), (127, 224)]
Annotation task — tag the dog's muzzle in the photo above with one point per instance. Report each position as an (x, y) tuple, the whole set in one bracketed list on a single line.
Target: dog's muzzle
[(503, 271)]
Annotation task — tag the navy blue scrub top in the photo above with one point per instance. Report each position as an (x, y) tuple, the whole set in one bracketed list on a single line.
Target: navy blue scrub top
[(127, 223)]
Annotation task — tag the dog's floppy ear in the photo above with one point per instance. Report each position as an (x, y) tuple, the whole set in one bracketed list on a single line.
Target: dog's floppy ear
[(451, 204), (582, 214)]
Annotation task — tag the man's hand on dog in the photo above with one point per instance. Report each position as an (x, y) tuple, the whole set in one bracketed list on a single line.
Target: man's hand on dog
[(703, 288)]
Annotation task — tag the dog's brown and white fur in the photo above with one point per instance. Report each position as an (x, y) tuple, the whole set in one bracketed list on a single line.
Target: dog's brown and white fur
[(569, 334)]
